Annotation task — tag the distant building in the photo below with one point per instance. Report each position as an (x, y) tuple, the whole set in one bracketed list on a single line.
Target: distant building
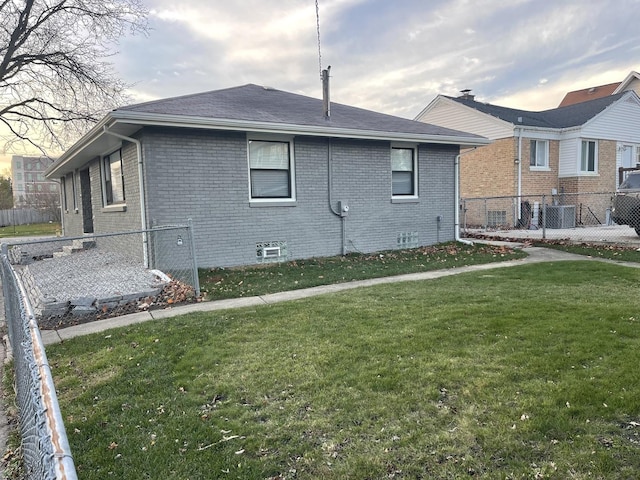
[(30, 187)]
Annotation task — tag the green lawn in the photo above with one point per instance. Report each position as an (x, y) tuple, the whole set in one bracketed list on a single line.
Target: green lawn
[(524, 372), (220, 283), (34, 229)]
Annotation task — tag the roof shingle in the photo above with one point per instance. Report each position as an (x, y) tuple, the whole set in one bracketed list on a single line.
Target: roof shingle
[(562, 117), (254, 103)]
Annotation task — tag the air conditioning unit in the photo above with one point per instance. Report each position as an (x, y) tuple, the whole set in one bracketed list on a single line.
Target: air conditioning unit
[(560, 216)]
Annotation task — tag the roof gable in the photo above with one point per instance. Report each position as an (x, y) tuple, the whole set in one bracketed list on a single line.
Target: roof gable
[(624, 85), (447, 112)]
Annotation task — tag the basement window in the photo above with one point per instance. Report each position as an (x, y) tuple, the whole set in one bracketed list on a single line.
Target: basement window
[(271, 252)]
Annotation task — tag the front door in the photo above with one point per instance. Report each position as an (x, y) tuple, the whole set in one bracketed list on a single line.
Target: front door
[(87, 209)]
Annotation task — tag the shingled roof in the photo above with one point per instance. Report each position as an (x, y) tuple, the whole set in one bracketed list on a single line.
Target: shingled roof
[(255, 103), (563, 117), (587, 94), (253, 108)]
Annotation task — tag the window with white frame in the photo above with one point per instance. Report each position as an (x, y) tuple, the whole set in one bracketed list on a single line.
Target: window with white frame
[(271, 170), (112, 179), (403, 172), (589, 156), (539, 154)]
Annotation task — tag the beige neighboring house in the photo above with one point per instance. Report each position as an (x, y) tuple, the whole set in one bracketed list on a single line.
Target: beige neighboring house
[(574, 149), (30, 187)]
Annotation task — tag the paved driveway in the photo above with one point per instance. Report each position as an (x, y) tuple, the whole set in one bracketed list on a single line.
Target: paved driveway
[(614, 234)]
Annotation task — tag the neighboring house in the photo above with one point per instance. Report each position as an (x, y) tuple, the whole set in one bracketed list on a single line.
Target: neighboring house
[(632, 82), (573, 150), (264, 175), (30, 187)]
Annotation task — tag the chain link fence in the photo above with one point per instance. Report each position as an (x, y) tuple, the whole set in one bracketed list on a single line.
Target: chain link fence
[(581, 217), (46, 452), (80, 279), (57, 282)]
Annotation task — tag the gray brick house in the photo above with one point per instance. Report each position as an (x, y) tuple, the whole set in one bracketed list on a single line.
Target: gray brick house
[(265, 175)]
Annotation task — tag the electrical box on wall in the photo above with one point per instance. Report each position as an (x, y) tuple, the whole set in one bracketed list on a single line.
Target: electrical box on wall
[(343, 208)]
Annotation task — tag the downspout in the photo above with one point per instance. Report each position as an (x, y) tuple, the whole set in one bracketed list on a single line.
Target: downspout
[(337, 213), (519, 163), (143, 210), (457, 197)]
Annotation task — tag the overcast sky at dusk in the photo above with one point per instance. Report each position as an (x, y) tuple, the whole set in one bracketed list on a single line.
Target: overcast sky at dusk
[(389, 56)]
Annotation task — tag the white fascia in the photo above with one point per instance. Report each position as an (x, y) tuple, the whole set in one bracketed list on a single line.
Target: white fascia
[(150, 119)]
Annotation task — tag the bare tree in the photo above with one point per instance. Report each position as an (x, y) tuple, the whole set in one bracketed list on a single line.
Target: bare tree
[(55, 78), (46, 202), (6, 190)]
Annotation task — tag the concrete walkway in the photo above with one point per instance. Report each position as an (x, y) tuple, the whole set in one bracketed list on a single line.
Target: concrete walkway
[(535, 255)]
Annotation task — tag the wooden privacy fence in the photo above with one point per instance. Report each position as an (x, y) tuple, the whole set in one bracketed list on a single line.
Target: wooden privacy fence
[(25, 216)]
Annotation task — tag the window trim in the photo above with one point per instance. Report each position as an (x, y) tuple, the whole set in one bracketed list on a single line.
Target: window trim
[(273, 201), (63, 190), (535, 166), (412, 197), (113, 205), (74, 191), (595, 157)]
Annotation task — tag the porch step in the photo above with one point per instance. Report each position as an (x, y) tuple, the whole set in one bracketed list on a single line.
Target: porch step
[(77, 245)]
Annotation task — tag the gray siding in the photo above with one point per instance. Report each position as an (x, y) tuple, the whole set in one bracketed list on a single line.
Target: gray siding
[(204, 176)]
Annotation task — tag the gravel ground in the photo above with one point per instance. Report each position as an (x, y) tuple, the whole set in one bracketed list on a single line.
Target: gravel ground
[(87, 284), (92, 273)]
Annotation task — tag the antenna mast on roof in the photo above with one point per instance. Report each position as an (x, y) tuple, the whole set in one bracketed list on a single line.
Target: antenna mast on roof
[(324, 74), (318, 29)]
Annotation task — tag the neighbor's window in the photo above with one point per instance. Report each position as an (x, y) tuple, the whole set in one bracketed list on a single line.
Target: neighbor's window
[(539, 154), (403, 172), (589, 156), (113, 179), (270, 169)]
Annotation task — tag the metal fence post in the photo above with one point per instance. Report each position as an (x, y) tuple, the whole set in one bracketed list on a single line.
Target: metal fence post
[(196, 279), (544, 217), (464, 215), (486, 216)]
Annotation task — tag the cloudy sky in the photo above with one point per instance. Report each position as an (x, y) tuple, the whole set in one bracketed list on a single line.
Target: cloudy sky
[(392, 56)]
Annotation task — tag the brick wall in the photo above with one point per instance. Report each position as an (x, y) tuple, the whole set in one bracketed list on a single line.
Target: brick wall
[(489, 171), (204, 176), (540, 182), (112, 220), (604, 181)]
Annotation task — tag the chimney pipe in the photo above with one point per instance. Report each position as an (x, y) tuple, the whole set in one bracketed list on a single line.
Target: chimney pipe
[(326, 103), (466, 94)]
